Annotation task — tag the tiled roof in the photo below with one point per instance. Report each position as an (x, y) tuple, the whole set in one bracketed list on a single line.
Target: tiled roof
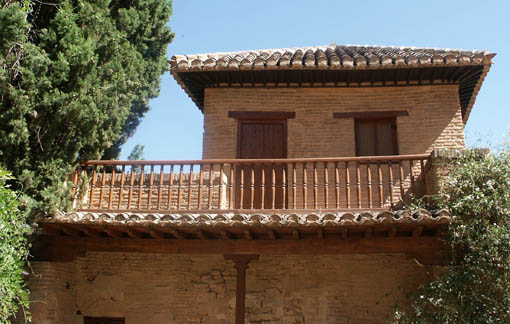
[(330, 57), (372, 218), (468, 68)]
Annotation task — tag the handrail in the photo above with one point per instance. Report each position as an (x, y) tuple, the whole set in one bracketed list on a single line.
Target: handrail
[(249, 184), (244, 161)]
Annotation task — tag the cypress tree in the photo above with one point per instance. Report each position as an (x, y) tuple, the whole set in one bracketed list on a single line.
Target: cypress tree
[(76, 77)]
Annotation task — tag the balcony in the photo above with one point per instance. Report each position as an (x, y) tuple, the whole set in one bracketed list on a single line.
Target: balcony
[(249, 186)]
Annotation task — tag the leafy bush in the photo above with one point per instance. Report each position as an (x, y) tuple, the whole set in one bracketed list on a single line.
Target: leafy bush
[(14, 250), (476, 288)]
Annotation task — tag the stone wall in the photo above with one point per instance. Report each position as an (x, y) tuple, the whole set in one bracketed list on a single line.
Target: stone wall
[(434, 119), (186, 289)]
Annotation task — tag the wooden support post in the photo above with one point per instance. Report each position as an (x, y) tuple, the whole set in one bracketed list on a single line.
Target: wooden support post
[(241, 264)]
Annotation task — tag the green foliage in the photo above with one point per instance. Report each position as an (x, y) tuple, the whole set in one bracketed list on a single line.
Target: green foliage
[(476, 288), (137, 153), (75, 80), (13, 251)]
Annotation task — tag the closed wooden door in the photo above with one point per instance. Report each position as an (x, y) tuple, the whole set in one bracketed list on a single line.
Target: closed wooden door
[(261, 185)]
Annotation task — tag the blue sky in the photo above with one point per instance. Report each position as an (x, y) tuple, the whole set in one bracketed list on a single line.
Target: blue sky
[(173, 128)]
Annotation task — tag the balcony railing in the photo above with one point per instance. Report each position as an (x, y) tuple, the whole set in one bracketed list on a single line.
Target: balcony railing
[(381, 182)]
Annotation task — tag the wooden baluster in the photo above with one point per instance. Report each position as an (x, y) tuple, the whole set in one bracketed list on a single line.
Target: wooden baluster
[(369, 184), (337, 186), (380, 180), (93, 186), (252, 185), (84, 194), (294, 204), (411, 173), (284, 186), (75, 186), (305, 205), (231, 187), (273, 187), (262, 187), (179, 187), (121, 190), (140, 190), (358, 184), (390, 175), (200, 184), (112, 186), (190, 189), (170, 185), (422, 176), (160, 184), (131, 185), (221, 185), (151, 184), (401, 169), (347, 185), (241, 187), (315, 186), (211, 185), (101, 190), (326, 204)]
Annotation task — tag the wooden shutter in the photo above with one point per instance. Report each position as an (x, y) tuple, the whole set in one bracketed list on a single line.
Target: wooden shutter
[(376, 137)]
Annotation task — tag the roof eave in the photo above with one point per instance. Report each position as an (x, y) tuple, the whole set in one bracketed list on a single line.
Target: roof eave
[(486, 69)]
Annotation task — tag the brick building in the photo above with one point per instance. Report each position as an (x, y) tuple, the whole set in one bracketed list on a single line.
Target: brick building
[(294, 215)]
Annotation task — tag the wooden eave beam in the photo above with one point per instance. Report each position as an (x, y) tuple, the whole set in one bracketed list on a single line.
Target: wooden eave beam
[(417, 231), (70, 231), (175, 233), (320, 234), (271, 234), (392, 232), (248, 234), (133, 234), (201, 234), (344, 234), (225, 234), (155, 233), (53, 247), (91, 232), (112, 232)]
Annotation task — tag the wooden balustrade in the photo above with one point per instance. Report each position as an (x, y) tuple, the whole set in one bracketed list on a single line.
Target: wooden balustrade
[(380, 182)]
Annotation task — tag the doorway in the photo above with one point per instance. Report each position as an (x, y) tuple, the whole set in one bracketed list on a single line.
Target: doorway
[(261, 139)]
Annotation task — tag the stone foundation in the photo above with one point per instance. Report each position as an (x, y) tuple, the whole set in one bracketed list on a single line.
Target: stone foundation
[(189, 289)]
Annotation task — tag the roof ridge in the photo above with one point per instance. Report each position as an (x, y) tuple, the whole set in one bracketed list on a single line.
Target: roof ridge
[(334, 45)]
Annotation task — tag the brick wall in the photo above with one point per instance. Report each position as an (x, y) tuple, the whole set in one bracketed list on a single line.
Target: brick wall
[(186, 289), (434, 117), (51, 293)]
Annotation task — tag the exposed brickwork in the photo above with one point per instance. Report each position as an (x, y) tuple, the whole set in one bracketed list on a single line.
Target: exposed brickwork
[(51, 293), (434, 117), (188, 289)]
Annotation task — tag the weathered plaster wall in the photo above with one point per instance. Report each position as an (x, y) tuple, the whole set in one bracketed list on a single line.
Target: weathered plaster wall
[(434, 117), (185, 289)]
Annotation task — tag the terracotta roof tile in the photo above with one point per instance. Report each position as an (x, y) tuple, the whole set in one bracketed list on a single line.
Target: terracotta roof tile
[(421, 217), (330, 57), (335, 57)]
